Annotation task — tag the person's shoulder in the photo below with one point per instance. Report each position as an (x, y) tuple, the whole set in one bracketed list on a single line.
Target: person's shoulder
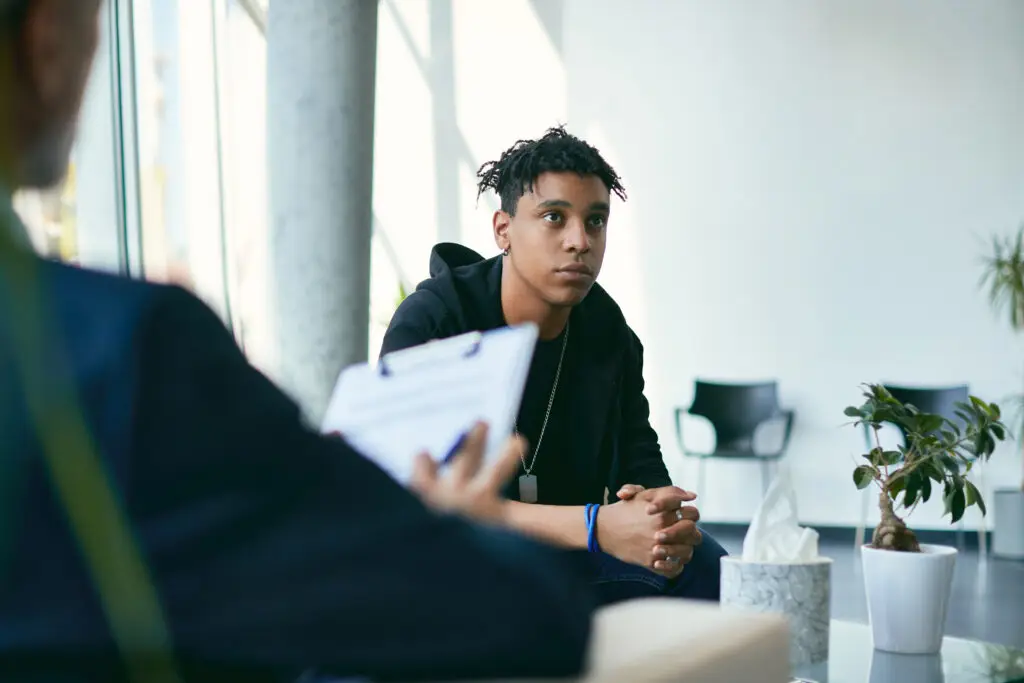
[(606, 323), (93, 289), (422, 306), (419, 318), (99, 297), (107, 315), (602, 311)]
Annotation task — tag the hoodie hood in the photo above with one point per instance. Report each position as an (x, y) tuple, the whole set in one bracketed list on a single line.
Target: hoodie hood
[(447, 256), (468, 284)]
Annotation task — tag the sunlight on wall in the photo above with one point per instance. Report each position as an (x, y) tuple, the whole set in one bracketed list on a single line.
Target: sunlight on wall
[(510, 84), (442, 111), (404, 185)]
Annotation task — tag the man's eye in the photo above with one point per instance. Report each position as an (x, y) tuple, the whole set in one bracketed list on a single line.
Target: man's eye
[(597, 221), (552, 217)]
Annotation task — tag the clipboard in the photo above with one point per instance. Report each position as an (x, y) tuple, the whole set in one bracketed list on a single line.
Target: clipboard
[(425, 398)]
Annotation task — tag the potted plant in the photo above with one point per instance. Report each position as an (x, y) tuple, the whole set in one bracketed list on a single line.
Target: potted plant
[(907, 582), (1004, 278)]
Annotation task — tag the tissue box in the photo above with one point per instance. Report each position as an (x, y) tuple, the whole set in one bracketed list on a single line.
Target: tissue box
[(799, 591)]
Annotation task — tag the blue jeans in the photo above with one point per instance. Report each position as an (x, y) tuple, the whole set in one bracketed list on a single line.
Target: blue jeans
[(616, 581)]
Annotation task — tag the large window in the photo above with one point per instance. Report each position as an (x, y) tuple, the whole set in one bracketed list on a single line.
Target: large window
[(200, 101), (179, 146)]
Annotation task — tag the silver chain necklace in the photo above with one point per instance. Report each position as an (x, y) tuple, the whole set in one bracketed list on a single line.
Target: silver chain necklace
[(528, 481)]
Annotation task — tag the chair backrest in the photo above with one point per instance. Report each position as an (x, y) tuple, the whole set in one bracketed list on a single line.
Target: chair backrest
[(735, 410), (936, 400)]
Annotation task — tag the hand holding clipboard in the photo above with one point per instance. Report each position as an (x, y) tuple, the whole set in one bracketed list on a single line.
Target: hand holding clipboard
[(472, 488), (426, 399)]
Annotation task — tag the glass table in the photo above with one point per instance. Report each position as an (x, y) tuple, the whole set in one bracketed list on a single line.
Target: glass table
[(853, 659)]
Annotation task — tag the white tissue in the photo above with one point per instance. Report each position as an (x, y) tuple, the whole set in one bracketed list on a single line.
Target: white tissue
[(774, 534)]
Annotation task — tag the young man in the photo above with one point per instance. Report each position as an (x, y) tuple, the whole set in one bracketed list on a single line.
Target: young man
[(583, 413), (164, 510)]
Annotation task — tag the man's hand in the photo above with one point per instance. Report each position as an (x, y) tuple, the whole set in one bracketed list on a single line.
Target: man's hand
[(677, 541), (468, 487), (629, 490), (671, 529)]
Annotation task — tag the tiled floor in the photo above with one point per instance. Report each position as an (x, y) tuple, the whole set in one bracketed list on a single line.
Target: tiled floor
[(987, 601)]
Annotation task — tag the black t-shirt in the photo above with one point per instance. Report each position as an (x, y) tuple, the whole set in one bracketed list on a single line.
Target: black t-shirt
[(551, 465)]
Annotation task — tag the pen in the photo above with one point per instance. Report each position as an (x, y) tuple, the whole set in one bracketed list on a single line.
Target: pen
[(456, 447)]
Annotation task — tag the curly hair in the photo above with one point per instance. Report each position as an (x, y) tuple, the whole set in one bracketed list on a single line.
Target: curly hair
[(513, 175)]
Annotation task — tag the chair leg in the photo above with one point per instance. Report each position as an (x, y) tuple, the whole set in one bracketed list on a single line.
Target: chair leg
[(766, 477)]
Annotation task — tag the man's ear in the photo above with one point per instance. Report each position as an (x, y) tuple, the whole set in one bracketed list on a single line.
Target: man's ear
[(501, 222)]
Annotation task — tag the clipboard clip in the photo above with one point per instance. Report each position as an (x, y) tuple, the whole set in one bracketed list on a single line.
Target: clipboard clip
[(436, 351)]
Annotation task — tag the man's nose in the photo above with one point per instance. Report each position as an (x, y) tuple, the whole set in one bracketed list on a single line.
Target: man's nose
[(575, 237)]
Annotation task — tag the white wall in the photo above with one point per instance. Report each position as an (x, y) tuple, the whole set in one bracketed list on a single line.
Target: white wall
[(811, 188)]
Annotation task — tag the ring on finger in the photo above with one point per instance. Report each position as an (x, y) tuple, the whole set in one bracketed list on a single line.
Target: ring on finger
[(679, 515)]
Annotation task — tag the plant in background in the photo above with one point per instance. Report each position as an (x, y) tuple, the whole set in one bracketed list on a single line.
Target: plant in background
[(938, 451), (401, 294), (1004, 278)]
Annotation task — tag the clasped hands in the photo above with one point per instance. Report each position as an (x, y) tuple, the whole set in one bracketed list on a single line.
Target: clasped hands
[(647, 527), (652, 528)]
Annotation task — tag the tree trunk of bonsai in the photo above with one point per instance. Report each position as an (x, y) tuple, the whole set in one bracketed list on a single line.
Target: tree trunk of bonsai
[(891, 533)]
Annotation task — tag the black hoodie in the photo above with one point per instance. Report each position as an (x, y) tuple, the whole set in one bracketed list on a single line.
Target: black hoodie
[(599, 424)]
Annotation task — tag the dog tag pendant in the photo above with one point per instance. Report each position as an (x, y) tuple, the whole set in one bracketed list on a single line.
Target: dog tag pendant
[(528, 488)]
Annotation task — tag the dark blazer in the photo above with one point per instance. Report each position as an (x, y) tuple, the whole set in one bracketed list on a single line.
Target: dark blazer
[(272, 549), (613, 442)]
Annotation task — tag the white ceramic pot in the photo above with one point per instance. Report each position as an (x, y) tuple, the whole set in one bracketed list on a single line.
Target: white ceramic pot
[(908, 595), (1008, 520)]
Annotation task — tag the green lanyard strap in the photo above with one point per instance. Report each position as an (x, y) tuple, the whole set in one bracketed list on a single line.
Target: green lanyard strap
[(80, 481)]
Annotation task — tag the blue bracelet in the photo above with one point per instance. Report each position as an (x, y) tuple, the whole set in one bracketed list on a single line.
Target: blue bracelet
[(591, 515)]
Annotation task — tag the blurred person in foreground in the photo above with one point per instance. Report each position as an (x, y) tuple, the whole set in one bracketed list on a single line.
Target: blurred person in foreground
[(166, 514)]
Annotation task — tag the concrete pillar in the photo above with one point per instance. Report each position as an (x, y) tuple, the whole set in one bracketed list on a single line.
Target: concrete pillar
[(321, 65)]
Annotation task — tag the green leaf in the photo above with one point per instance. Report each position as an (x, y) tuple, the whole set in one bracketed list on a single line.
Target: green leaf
[(932, 470), (974, 497), (930, 423), (891, 457), (999, 431), (926, 489), (862, 476), (852, 412), (896, 485), (956, 503), (913, 488)]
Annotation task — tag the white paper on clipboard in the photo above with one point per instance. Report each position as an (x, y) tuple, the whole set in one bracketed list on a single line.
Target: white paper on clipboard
[(425, 398)]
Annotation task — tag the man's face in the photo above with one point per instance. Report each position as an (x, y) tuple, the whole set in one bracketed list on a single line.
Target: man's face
[(53, 53), (556, 240)]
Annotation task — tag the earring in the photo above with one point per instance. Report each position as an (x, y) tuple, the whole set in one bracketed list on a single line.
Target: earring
[(505, 252)]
